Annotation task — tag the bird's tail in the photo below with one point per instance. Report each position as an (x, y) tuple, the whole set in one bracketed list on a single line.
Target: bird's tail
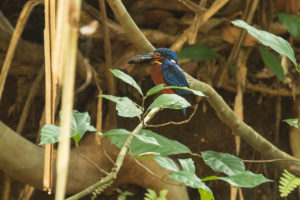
[(184, 111)]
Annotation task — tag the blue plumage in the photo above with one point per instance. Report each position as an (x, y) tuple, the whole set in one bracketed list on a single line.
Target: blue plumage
[(174, 76), (165, 71)]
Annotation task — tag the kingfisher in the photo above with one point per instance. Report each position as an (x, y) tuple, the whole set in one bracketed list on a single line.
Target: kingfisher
[(165, 70)]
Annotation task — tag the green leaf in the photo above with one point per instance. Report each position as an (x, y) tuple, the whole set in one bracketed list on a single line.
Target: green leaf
[(172, 101), (278, 44), (245, 179), (198, 53), (189, 179), (80, 124), (127, 79), (138, 146), (287, 183), (125, 106), (49, 134), (163, 194), (291, 22), (166, 163), (76, 138), (155, 89), (223, 162), (205, 195), (187, 175), (187, 165), (272, 62), (292, 122), (160, 87)]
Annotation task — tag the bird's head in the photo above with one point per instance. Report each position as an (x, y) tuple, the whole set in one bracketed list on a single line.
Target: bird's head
[(159, 56)]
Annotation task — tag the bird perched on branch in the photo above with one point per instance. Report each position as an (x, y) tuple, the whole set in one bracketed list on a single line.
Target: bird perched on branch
[(164, 70)]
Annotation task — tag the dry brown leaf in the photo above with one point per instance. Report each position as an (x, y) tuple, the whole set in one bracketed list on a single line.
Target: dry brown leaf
[(230, 34)]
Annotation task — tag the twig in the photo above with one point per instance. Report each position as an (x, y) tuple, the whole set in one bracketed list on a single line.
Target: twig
[(111, 120), (33, 90), (268, 161), (26, 11), (189, 4), (92, 162), (218, 4), (225, 113), (23, 18), (88, 79), (239, 127), (105, 153), (119, 162), (236, 48), (261, 89), (172, 122)]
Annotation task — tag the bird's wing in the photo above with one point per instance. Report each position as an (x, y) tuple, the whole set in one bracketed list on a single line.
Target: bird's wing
[(174, 76)]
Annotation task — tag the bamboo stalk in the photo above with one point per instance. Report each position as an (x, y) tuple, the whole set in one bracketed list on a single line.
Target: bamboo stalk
[(65, 56), (50, 88)]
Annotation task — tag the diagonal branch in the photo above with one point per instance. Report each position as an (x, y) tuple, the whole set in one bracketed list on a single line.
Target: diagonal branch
[(119, 162), (224, 112)]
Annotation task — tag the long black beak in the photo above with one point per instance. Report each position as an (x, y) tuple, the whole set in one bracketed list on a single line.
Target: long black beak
[(141, 58)]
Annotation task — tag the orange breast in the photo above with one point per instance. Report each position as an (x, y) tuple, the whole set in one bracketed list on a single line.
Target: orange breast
[(157, 77)]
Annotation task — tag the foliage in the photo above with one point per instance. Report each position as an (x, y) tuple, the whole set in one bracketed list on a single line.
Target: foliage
[(272, 62), (125, 106), (287, 183), (147, 142), (123, 194), (278, 44), (151, 195), (80, 124), (291, 22), (198, 53), (292, 122), (127, 79)]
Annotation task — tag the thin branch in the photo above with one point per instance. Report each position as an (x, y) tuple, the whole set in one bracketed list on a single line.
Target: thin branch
[(224, 112), (151, 172), (236, 48), (268, 161), (111, 120), (92, 162), (241, 129), (172, 122), (15, 39), (189, 4), (119, 162), (218, 4)]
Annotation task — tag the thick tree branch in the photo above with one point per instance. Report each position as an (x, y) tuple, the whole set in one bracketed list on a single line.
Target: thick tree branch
[(224, 112)]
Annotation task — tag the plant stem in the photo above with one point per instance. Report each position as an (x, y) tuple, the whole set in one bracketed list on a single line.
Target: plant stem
[(119, 162)]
